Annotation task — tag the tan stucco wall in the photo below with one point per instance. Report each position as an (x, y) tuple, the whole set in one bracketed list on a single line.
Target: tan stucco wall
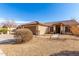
[(42, 29), (37, 29)]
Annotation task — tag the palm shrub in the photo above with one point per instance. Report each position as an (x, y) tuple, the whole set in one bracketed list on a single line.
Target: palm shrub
[(23, 35)]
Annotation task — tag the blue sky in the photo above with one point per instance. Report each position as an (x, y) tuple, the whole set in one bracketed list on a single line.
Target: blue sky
[(43, 12)]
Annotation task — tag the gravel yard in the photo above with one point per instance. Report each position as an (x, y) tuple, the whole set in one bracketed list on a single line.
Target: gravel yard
[(40, 46)]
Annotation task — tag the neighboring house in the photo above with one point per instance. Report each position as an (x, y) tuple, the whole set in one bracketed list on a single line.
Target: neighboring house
[(61, 27), (9, 28)]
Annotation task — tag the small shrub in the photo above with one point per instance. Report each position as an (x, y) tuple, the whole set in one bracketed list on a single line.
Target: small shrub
[(3, 30), (23, 35)]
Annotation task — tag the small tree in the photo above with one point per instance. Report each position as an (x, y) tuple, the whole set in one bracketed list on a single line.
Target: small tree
[(9, 24)]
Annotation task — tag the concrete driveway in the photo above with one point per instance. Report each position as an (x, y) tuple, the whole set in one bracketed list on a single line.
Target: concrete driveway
[(7, 39)]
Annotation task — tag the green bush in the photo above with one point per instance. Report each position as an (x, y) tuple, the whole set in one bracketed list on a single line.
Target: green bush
[(3, 30)]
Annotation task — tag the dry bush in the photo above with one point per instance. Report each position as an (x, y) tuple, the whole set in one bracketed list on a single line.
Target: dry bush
[(75, 30), (23, 35)]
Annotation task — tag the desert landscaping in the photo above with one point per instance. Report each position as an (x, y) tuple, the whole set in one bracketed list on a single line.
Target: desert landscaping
[(42, 46)]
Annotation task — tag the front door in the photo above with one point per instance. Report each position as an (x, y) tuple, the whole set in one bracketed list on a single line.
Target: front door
[(58, 29)]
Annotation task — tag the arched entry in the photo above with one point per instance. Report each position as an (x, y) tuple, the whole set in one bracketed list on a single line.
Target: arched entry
[(58, 28)]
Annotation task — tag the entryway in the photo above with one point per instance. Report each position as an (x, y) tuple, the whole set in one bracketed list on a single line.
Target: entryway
[(58, 29)]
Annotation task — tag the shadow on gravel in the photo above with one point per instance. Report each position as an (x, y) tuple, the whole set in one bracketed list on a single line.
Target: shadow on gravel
[(66, 53), (8, 41)]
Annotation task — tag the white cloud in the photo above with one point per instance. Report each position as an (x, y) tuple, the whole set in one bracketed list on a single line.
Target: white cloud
[(22, 21), (18, 22)]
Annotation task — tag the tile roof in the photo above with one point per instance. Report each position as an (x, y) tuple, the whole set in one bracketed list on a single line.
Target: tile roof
[(66, 22), (34, 23)]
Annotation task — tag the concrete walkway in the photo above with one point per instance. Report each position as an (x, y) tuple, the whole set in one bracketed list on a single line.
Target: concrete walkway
[(7, 39), (58, 36)]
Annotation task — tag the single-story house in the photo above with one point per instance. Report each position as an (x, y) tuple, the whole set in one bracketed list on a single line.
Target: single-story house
[(61, 27), (36, 27)]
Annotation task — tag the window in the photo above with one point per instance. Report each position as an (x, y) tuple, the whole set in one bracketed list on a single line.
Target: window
[(51, 29), (67, 29)]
